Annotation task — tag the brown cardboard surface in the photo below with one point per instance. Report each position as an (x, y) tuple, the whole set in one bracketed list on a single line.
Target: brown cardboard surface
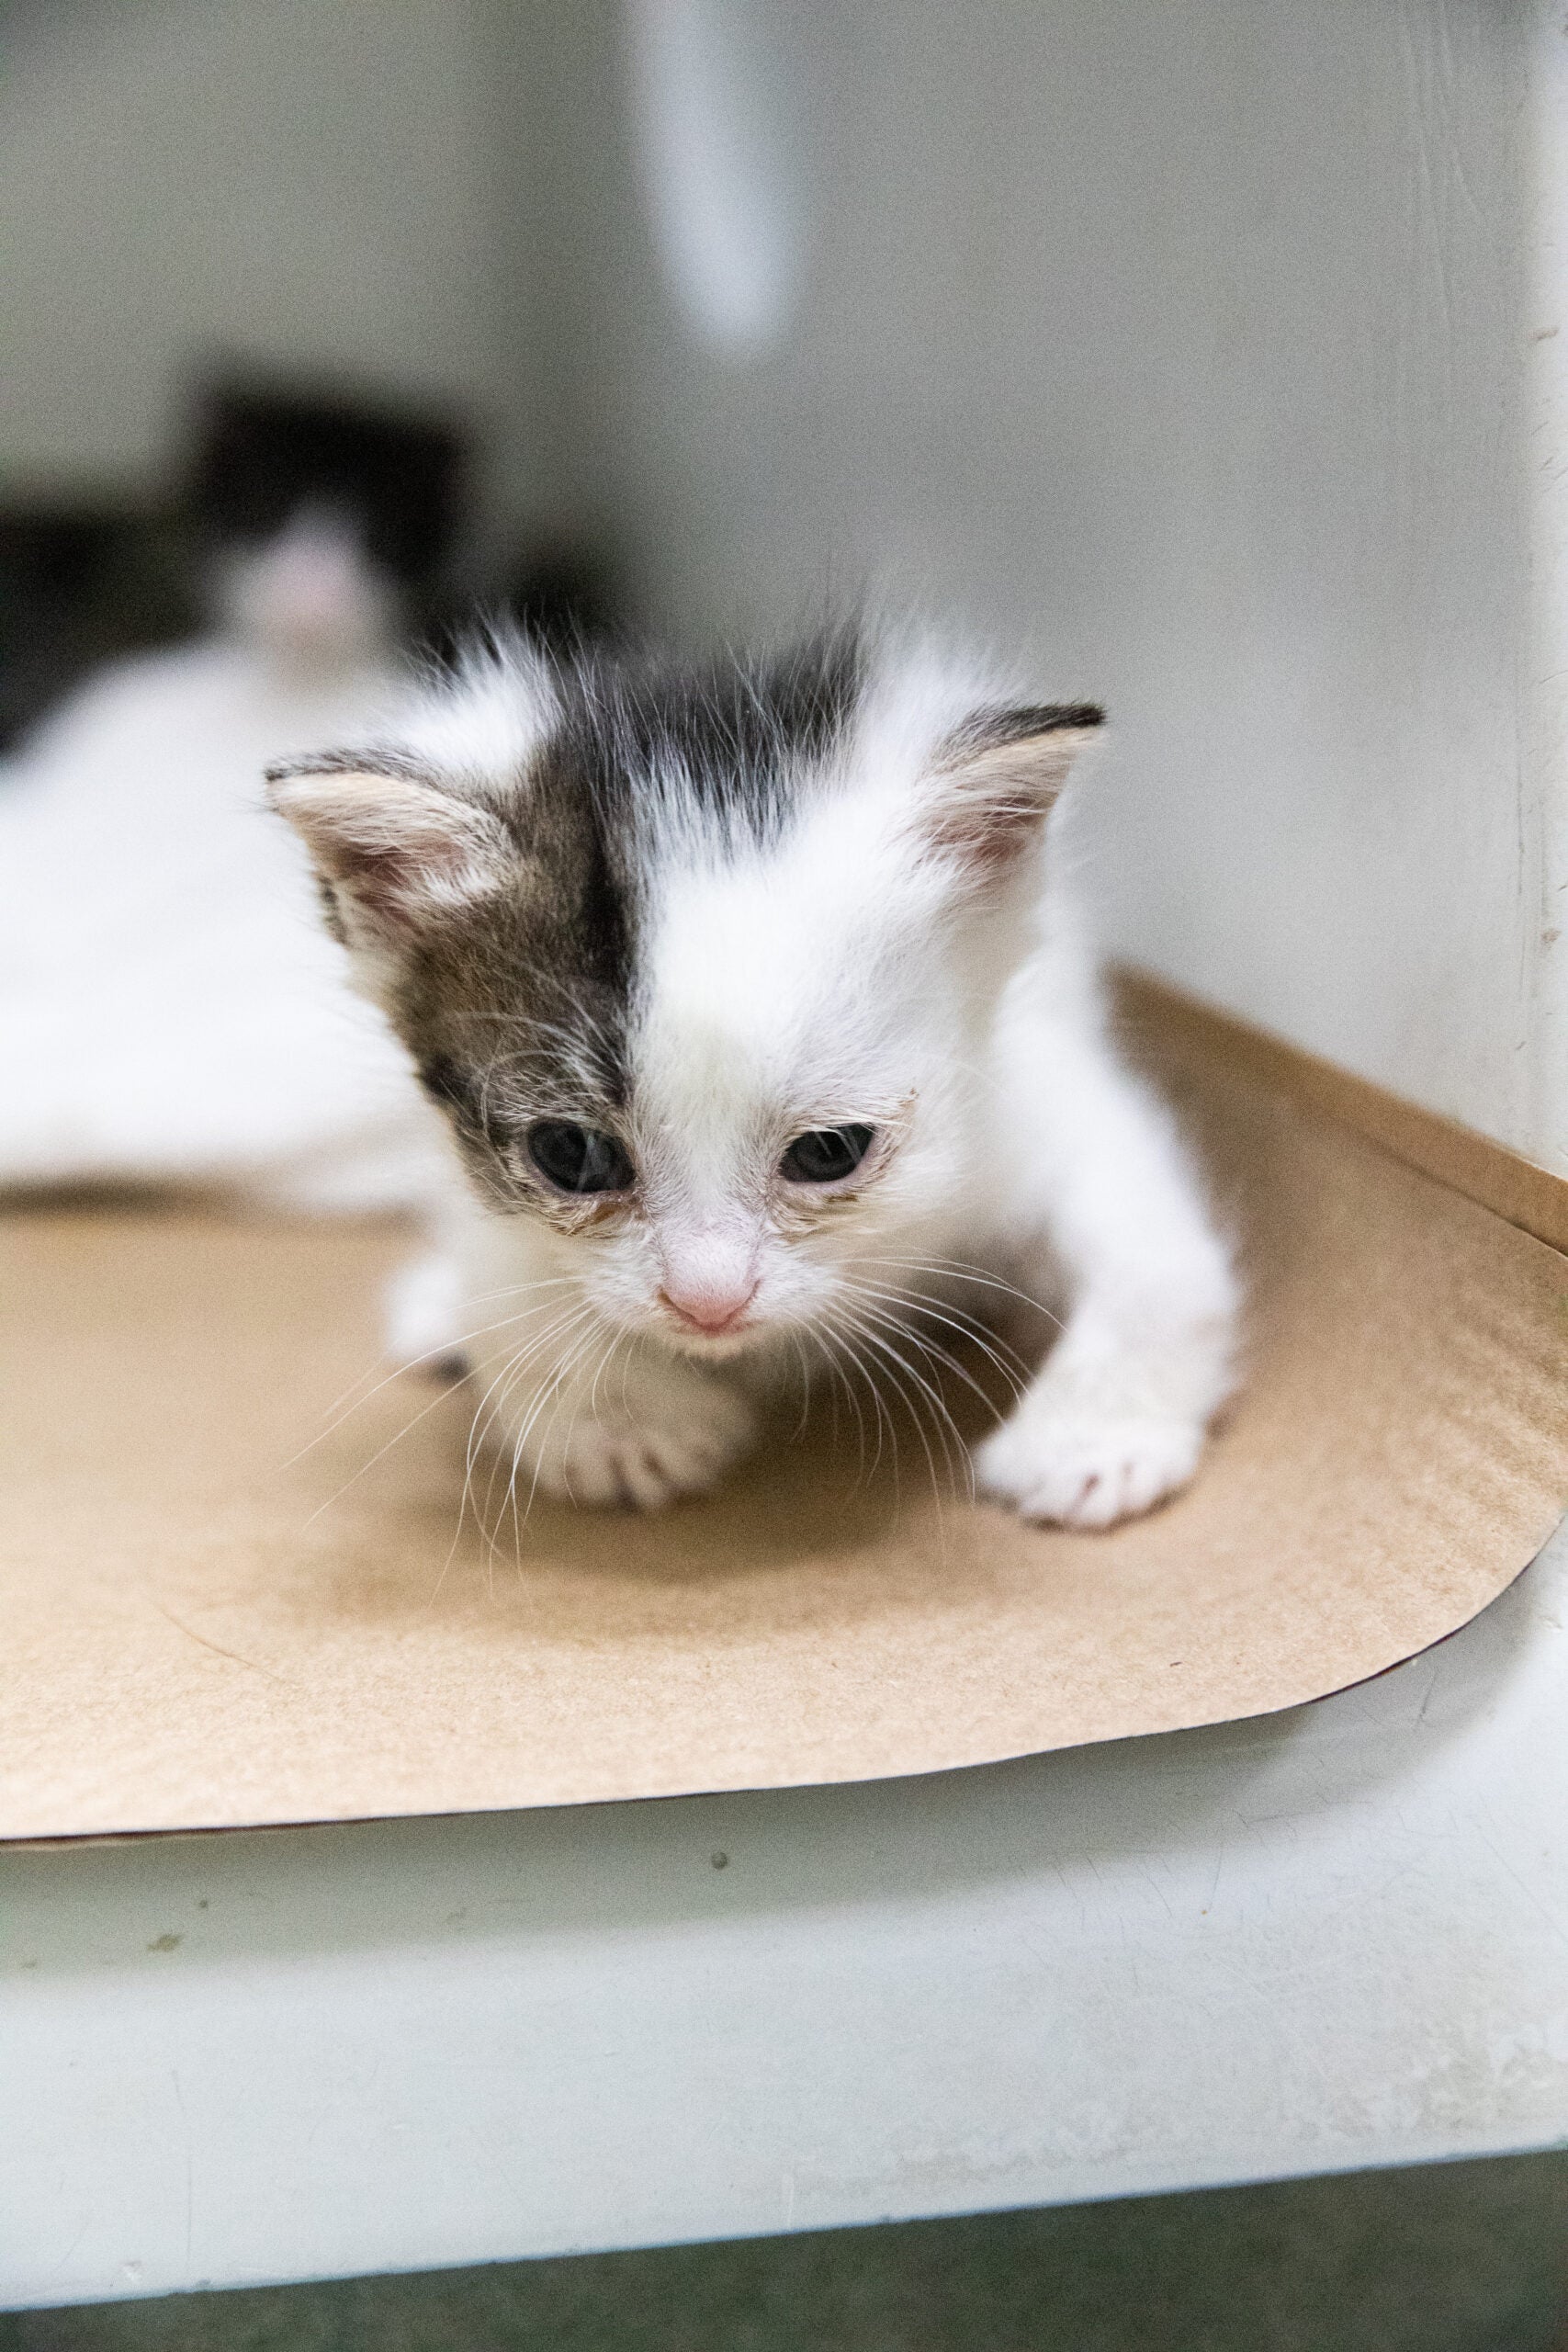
[(1528, 1195), (202, 1627)]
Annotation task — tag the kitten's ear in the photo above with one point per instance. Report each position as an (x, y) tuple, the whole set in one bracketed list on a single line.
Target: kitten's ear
[(995, 779), (399, 847)]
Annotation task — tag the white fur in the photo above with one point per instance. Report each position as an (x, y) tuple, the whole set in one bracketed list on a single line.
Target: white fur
[(170, 1006), (853, 972)]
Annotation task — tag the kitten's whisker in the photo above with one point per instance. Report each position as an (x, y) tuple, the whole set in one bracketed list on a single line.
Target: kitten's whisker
[(600, 1368), (937, 1303), (956, 1269), (504, 1382), (846, 1337), (941, 1421), (559, 1392), (397, 1439), (552, 1395), (804, 1362), (868, 1371), (512, 1368), (1015, 1374), (431, 1355), (509, 1371), (613, 1343), (830, 1338), (520, 1438), (500, 1387), (865, 1373), (941, 1359), (875, 1324), (488, 1526), (519, 1519), (550, 1388)]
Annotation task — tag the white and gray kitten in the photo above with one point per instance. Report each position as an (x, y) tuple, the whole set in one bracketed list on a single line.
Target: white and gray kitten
[(760, 1019)]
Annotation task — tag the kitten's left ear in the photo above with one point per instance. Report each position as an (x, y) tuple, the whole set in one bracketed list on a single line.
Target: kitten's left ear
[(394, 844), (995, 779)]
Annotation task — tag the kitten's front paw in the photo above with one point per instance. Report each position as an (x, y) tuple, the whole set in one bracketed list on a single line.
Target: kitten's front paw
[(670, 1436), (1084, 1465)]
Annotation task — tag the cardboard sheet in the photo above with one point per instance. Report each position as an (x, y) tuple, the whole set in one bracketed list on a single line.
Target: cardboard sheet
[(202, 1625)]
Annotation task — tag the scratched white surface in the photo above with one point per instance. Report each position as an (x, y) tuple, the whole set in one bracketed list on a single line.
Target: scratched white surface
[(1329, 1938)]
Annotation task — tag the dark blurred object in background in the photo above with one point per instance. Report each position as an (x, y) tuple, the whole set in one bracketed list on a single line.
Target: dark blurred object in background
[(267, 452), (265, 458), (325, 523), (81, 585), (563, 596)]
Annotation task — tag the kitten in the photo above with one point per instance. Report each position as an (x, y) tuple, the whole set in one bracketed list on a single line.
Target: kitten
[(169, 1008), (757, 1008), (325, 522)]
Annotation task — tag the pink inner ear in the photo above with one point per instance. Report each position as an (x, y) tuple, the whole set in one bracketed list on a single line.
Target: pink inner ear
[(988, 822), (990, 801), (397, 848), (389, 879)]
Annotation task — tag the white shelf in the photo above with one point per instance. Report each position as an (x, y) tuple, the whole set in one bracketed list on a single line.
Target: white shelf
[(1329, 1938)]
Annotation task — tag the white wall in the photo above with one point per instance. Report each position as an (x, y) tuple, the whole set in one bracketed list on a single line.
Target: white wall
[(1544, 665), (300, 181), (1186, 345)]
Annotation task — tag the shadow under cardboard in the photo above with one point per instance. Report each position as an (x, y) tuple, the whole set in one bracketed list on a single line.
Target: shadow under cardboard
[(818, 1488), (803, 1492), (180, 1899)]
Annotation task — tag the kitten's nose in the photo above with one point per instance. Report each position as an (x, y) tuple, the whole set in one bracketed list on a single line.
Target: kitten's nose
[(711, 1307)]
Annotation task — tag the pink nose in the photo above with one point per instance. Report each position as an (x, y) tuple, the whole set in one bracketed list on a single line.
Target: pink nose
[(709, 1308)]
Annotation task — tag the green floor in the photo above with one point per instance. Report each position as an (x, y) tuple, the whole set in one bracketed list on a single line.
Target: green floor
[(1452, 2258)]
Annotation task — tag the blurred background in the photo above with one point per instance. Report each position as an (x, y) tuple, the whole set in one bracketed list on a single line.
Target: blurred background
[(1185, 349)]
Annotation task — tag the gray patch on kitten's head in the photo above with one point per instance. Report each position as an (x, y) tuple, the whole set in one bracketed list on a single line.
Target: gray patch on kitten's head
[(516, 1004), (729, 744)]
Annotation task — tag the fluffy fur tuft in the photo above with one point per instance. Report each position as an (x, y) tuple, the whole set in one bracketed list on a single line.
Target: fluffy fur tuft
[(758, 1014)]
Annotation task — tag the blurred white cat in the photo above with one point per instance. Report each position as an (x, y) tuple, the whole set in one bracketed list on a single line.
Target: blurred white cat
[(171, 1009)]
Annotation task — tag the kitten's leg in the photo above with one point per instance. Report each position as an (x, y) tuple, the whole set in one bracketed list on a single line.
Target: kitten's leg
[(567, 1409), (1116, 1418), (561, 1411), (636, 1426)]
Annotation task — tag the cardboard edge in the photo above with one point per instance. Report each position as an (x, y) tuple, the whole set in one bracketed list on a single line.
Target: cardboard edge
[(54, 1843)]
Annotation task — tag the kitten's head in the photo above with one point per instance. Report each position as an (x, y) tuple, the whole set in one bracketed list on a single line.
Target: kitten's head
[(323, 516), (700, 965)]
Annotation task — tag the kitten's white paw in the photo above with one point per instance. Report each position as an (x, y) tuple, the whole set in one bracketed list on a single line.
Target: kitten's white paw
[(671, 1436), (1084, 1465)]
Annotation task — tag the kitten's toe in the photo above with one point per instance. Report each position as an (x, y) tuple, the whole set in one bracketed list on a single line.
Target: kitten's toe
[(1077, 1468), (651, 1452)]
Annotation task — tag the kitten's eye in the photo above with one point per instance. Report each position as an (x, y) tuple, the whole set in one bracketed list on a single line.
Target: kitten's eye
[(826, 1154), (579, 1160)]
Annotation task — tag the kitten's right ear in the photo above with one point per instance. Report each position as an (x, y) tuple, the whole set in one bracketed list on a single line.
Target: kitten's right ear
[(397, 846), (996, 779)]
